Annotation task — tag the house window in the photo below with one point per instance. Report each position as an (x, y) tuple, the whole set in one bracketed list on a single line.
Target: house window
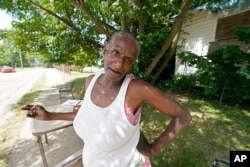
[(225, 31)]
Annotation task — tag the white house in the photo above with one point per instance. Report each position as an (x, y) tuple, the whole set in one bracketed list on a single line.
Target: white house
[(206, 31)]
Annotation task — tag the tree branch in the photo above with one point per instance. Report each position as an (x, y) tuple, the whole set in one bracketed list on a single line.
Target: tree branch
[(67, 22), (68, 15), (99, 24)]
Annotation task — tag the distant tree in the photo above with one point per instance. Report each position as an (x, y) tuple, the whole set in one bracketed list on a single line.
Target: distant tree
[(4, 60), (11, 51)]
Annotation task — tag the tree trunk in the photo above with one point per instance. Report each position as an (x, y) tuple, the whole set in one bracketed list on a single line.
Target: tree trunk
[(222, 93), (167, 44), (21, 59), (169, 56), (123, 23), (139, 16)]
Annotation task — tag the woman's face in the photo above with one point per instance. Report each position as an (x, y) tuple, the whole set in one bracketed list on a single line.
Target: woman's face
[(119, 57)]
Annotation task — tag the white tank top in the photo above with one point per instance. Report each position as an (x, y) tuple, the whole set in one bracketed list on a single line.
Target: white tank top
[(110, 140)]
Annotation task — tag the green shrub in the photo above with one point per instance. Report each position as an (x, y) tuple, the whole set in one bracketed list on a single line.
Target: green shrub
[(182, 83)]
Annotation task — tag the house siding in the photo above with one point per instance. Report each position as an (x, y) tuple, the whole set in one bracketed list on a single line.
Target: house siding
[(200, 28), (198, 31)]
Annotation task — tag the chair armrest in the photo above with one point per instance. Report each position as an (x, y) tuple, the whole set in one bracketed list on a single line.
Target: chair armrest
[(217, 161)]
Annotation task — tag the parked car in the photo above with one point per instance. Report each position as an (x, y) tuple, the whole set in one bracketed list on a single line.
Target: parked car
[(6, 69)]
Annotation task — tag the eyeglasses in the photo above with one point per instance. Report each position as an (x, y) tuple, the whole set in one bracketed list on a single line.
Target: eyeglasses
[(114, 54)]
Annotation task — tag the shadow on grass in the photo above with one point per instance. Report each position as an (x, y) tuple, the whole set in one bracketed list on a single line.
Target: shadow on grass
[(213, 132)]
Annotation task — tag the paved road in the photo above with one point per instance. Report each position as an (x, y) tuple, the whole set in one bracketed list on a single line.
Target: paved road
[(13, 86)]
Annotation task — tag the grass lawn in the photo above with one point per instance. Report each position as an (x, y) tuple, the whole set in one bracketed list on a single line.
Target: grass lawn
[(213, 132)]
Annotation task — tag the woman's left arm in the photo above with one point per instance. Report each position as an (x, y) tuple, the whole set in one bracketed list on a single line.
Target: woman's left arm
[(166, 105)]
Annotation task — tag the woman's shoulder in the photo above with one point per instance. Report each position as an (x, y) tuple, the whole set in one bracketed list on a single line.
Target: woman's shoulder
[(142, 87), (135, 82), (139, 85)]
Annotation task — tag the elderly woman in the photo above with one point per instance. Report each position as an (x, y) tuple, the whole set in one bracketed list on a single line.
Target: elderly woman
[(108, 119)]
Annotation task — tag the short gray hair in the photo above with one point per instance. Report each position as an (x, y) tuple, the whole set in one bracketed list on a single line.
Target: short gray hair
[(123, 33)]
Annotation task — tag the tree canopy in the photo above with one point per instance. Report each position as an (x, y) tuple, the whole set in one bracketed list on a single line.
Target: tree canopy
[(74, 31)]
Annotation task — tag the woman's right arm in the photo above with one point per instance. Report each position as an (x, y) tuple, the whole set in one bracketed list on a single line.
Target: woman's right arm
[(40, 113)]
